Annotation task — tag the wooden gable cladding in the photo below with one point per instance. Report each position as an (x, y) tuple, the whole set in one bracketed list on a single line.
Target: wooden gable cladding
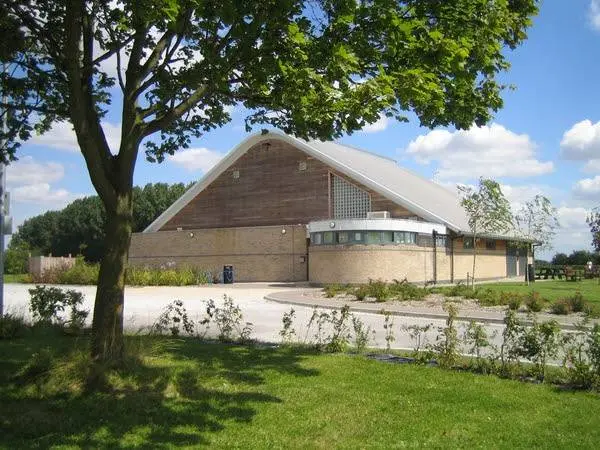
[(265, 186)]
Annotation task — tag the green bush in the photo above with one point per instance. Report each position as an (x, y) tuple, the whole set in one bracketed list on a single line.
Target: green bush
[(12, 326), (361, 292), (403, 290), (184, 276), (81, 273), (378, 290), (577, 302), (331, 290), (561, 307), (534, 302), (47, 304)]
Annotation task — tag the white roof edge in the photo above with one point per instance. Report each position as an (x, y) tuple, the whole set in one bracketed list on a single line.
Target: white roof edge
[(256, 138)]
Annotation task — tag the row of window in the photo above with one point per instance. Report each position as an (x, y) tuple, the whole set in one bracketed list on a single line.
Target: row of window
[(490, 244), (363, 237)]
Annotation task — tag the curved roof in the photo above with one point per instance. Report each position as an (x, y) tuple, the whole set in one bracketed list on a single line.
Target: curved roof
[(415, 193)]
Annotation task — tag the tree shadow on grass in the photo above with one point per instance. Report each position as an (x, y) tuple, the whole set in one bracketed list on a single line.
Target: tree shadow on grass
[(179, 395)]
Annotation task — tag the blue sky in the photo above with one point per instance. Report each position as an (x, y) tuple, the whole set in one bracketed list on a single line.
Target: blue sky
[(545, 140)]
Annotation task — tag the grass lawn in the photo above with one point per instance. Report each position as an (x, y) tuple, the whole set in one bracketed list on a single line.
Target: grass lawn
[(184, 393), (20, 278), (552, 289)]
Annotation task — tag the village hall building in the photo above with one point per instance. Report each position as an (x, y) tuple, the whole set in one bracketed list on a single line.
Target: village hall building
[(278, 208)]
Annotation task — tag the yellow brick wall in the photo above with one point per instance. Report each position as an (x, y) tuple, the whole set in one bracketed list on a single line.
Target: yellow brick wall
[(359, 263), (257, 253)]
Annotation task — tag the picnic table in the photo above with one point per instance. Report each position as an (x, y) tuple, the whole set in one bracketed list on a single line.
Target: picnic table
[(560, 272)]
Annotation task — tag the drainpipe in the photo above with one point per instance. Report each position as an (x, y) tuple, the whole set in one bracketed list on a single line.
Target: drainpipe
[(434, 236)]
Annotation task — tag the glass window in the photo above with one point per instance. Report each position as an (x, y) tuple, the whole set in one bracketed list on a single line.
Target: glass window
[(328, 237), (373, 237), (468, 242), (358, 236), (405, 237), (387, 237), (440, 240), (343, 237), (316, 238), (490, 244)]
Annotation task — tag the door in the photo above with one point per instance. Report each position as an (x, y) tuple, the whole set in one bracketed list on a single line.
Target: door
[(522, 261), (511, 261)]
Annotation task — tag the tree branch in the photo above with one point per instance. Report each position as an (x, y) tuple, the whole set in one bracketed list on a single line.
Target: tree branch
[(175, 113)]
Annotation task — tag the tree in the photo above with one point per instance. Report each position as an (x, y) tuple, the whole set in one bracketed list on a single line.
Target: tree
[(315, 69), (593, 221), (79, 227), (38, 233), (536, 221), (487, 210), (560, 259)]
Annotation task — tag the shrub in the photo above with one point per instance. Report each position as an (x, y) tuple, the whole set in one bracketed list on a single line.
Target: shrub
[(174, 318), (477, 340), (12, 326), (338, 340), (561, 307), (403, 290), (378, 290), (47, 303), (362, 334), (388, 328), (418, 335), (538, 343), (331, 290), (81, 273), (534, 302), (183, 276), (229, 320), (447, 340), (509, 356), (361, 292), (577, 302), (287, 332), (513, 302), (487, 297)]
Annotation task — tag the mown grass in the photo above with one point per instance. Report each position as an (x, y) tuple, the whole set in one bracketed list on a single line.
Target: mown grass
[(552, 289), (184, 393), (18, 278)]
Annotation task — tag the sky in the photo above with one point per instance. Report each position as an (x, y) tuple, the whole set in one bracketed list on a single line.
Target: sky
[(546, 139)]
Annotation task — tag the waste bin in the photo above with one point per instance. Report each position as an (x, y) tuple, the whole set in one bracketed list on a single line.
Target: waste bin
[(228, 274), (530, 273)]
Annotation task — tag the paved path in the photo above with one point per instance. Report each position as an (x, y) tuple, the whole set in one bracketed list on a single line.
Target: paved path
[(144, 305)]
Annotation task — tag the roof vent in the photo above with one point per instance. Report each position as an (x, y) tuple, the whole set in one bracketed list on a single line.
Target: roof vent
[(378, 215)]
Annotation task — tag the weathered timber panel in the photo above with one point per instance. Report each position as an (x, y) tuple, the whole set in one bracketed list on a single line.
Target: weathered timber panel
[(270, 190)]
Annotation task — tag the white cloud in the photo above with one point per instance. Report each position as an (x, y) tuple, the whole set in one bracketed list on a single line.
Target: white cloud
[(582, 141), (377, 126), (572, 217), (193, 159), (62, 137), (491, 151), (43, 194), (594, 13), (592, 166), (588, 188), (27, 171)]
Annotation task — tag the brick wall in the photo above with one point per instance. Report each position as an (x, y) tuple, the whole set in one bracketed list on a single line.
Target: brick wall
[(270, 190), (257, 253)]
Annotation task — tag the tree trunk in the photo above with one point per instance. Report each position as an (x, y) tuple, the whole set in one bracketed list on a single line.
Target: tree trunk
[(107, 336), (474, 259)]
